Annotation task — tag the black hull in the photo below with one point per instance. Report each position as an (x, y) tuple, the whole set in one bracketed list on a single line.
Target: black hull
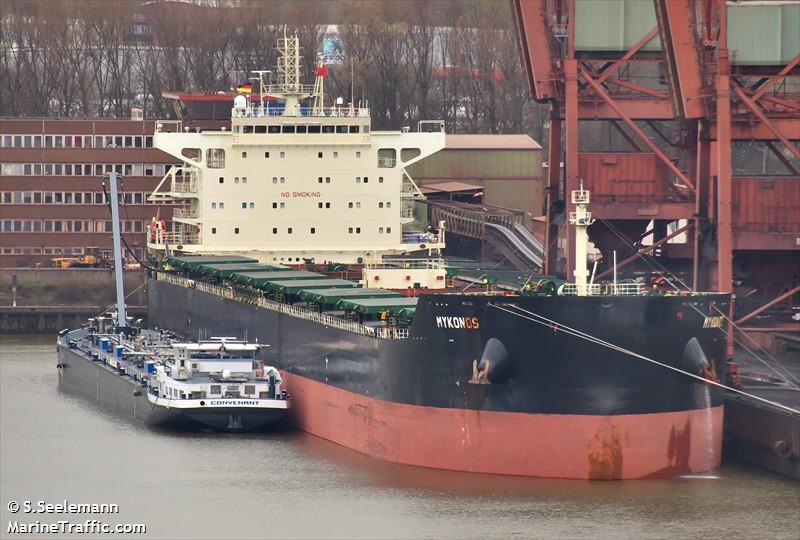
[(543, 370), (97, 382)]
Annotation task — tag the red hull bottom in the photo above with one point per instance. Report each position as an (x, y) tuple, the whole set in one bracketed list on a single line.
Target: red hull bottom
[(540, 445)]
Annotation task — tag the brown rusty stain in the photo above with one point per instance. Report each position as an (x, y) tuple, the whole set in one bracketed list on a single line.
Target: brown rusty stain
[(605, 456)]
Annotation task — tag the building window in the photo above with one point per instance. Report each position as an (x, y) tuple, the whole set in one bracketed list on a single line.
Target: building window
[(388, 230), (266, 155), (358, 154), (336, 154), (244, 179), (327, 205), (274, 179), (274, 205), (213, 230), (366, 179), (319, 179), (319, 155), (252, 205), (221, 205), (380, 205), (274, 230), (358, 230), (221, 180), (289, 230), (380, 230), (235, 179), (358, 179), (244, 205), (327, 179), (283, 180), (236, 230), (319, 205), (313, 230), (283, 154), (283, 205), (380, 179), (244, 154), (350, 205), (350, 230), (213, 206)]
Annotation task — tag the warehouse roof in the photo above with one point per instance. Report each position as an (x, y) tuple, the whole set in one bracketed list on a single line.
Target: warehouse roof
[(490, 142)]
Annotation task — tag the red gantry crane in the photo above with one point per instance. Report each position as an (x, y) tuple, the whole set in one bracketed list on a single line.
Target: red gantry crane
[(683, 118)]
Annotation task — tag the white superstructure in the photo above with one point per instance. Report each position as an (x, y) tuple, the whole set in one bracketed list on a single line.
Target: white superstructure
[(294, 180)]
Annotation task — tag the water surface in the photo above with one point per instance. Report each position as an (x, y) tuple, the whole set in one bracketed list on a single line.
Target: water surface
[(56, 446)]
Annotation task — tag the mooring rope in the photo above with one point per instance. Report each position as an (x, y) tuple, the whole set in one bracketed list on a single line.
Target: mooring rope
[(786, 376), (550, 323)]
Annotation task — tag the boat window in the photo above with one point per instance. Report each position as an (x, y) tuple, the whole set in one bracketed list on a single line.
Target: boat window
[(274, 129), (216, 388), (248, 129), (288, 129), (314, 129), (191, 153), (302, 129), (236, 129), (353, 129), (215, 158), (409, 153), (261, 129), (341, 129), (249, 389), (327, 129), (387, 158)]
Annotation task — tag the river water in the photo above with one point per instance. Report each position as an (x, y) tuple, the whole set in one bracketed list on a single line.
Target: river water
[(55, 446)]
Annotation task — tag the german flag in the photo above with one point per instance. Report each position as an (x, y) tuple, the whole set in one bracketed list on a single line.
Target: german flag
[(245, 88)]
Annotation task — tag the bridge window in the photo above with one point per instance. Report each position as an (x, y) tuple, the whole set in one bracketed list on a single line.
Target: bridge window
[(409, 153), (215, 158), (191, 153), (387, 158)]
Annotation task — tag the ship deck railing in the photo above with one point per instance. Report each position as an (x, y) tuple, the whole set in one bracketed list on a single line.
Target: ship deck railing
[(255, 111), (605, 289), (287, 309)]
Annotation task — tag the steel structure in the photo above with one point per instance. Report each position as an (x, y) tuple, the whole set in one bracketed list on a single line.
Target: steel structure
[(685, 84)]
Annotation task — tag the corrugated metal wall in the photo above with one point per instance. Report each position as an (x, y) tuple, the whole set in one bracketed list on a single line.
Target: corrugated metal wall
[(766, 204), (473, 164), (622, 177), (763, 35), (614, 25), (510, 178)]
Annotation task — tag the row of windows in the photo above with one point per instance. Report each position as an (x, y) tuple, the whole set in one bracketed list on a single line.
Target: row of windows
[(302, 128), (76, 141), (83, 169), (70, 197), (313, 230), (69, 225), (43, 251)]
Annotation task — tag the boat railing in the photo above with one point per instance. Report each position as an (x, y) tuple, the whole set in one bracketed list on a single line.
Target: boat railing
[(267, 111), (288, 309), (605, 289)]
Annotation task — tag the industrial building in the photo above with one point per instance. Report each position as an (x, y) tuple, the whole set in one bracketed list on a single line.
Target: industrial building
[(52, 203)]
